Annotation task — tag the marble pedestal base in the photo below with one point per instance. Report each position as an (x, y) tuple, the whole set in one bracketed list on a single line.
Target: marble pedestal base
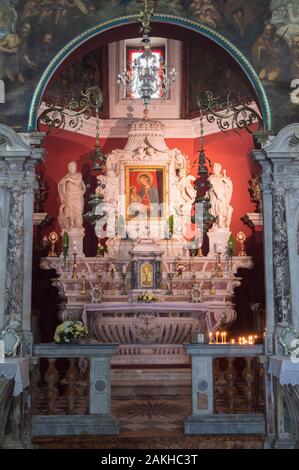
[(218, 239), (75, 235), (73, 425)]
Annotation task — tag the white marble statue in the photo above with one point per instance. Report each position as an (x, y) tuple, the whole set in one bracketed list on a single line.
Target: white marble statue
[(71, 190), (220, 196), (183, 198)]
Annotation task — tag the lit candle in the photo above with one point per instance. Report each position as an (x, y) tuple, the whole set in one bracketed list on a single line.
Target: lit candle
[(217, 334), (210, 336), (224, 336), (240, 340), (233, 341), (75, 247), (250, 340)]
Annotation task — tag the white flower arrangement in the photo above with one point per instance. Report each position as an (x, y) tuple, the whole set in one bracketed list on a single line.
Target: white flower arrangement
[(147, 296), (69, 330)]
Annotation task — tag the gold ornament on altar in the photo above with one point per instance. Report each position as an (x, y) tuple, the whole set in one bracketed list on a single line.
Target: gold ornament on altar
[(146, 272), (212, 288), (83, 285), (53, 237), (241, 237), (74, 272)]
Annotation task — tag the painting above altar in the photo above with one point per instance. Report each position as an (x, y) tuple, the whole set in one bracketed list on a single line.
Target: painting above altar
[(145, 191), (146, 183)]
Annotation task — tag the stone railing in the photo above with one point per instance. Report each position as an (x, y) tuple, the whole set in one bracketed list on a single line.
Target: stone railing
[(71, 389), (6, 393), (227, 390)]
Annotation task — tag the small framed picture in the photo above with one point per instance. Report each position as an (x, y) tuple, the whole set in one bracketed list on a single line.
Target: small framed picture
[(199, 338)]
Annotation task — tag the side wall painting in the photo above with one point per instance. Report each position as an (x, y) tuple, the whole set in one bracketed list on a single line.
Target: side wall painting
[(33, 31)]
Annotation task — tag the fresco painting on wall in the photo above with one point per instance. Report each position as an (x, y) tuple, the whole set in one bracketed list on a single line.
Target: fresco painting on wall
[(216, 76), (32, 31)]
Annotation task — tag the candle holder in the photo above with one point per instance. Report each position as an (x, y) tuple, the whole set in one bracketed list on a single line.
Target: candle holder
[(241, 237), (53, 237), (219, 272), (199, 252), (212, 288), (170, 289), (75, 272), (99, 249), (83, 286)]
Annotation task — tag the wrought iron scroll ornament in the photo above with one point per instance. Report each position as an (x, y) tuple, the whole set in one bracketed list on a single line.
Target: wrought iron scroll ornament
[(235, 112), (58, 115)]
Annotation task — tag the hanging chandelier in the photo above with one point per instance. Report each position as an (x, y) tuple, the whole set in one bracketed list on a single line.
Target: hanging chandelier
[(147, 75)]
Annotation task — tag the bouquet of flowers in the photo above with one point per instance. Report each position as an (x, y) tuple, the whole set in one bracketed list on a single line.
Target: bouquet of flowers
[(69, 330), (147, 296)]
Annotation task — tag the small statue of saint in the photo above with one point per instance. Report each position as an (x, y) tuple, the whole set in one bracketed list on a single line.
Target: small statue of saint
[(220, 196), (71, 190)]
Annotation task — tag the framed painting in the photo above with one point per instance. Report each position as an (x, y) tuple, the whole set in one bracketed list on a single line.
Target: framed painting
[(145, 191)]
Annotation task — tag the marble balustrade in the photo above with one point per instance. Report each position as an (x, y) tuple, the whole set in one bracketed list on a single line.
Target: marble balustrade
[(76, 401)]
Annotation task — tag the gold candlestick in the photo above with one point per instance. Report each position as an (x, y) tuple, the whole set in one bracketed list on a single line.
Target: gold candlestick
[(199, 253), (75, 273), (241, 237), (212, 288), (219, 272), (53, 237), (99, 249), (83, 286)]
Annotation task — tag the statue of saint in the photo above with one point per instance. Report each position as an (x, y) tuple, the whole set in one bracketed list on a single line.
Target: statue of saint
[(220, 196), (71, 189), (184, 197)]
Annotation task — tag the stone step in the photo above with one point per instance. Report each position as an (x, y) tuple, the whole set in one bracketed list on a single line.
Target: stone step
[(150, 382)]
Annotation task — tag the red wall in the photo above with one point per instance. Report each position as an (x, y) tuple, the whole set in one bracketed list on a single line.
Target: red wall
[(231, 150)]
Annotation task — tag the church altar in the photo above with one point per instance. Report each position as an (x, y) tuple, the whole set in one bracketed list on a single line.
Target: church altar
[(145, 199)]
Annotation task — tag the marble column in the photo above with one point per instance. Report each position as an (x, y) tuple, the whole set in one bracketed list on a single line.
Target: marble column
[(278, 157), (19, 154)]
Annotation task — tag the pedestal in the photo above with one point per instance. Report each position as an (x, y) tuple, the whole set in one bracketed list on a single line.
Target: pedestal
[(218, 239), (75, 235)]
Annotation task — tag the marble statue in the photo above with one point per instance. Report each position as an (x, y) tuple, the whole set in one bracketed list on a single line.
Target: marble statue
[(220, 196), (71, 190), (183, 197)]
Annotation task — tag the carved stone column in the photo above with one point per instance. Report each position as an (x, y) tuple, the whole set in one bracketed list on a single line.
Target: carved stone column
[(282, 301), (278, 157), (19, 154)]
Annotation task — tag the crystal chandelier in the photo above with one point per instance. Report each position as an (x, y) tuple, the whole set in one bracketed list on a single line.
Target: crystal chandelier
[(147, 75)]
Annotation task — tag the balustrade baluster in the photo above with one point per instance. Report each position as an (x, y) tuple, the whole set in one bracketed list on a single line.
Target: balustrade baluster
[(249, 376), (230, 377), (219, 385), (70, 382), (51, 378), (82, 384), (35, 381)]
